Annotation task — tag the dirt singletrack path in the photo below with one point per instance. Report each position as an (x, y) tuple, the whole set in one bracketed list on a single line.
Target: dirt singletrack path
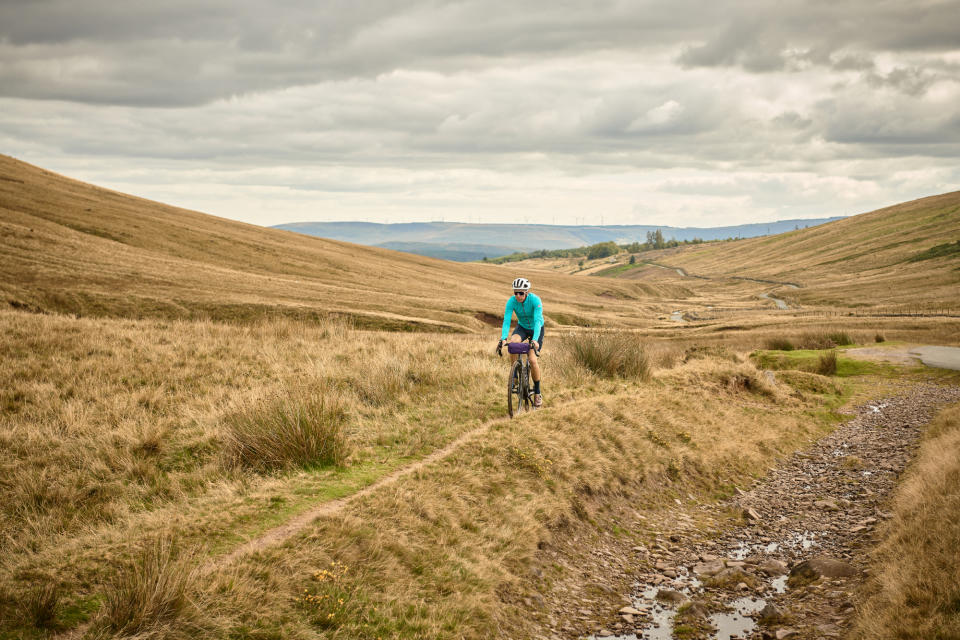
[(291, 527)]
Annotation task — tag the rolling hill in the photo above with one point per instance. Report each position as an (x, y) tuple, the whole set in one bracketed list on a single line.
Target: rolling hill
[(70, 247), (903, 254), (465, 242)]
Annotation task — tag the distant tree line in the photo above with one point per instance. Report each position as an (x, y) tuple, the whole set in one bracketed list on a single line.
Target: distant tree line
[(599, 250)]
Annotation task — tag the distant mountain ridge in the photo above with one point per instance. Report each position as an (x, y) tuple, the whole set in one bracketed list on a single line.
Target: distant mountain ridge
[(463, 242)]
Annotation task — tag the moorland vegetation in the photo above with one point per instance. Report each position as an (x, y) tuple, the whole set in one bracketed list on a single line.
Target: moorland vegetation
[(177, 389)]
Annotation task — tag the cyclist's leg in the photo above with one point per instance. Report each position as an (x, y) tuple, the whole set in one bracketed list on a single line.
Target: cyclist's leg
[(534, 364)]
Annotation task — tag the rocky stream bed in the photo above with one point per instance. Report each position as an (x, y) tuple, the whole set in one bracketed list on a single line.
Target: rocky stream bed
[(793, 566)]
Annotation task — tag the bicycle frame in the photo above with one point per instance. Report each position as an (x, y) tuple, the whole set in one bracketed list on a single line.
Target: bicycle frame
[(519, 391)]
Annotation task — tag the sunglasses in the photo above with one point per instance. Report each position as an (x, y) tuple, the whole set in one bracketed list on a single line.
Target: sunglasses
[(519, 293)]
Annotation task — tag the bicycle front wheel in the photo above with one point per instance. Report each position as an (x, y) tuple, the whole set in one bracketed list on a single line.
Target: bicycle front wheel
[(515, 390)]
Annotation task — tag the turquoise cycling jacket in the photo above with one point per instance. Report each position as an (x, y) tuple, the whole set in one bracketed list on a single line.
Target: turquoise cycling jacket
[(529, 315)]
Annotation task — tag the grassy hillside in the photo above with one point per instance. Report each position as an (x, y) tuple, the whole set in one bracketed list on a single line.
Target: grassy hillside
[(66, 246), (201, 436), (123, 479), (880, 258)]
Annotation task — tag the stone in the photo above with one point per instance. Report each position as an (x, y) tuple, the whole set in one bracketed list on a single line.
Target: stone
[(633, 611), (728, 575), (708, 568), (698, 610), (770, 614), (786, 633), (822, 566), (773, 567), (751, 514), (670, 595), (826, 505)]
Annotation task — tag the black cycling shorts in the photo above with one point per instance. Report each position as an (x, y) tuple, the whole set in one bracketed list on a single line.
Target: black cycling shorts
[(525, 334)]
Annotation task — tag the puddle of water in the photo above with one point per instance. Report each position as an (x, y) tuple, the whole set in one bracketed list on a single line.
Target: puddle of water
[(738, 622), (662, 626), (730, 624), (780, 584)]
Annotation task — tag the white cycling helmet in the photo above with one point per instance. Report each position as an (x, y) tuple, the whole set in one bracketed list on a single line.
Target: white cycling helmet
[(521, 284)]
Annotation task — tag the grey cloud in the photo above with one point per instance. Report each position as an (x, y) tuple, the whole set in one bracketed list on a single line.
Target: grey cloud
[(762, 36), (194, 53), (910, 80)]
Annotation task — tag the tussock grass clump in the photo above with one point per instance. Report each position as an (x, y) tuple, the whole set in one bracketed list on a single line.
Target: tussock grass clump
[(808, 382), (152, 592), (747, 378), (610, 355), (778, 344), (727, 377), (914, 593), (824, 340), (827, 364), (718, 352), (42, 604), (304, 428), (879, 337)]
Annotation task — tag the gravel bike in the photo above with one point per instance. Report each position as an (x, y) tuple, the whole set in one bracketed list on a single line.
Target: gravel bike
[(519, 389)]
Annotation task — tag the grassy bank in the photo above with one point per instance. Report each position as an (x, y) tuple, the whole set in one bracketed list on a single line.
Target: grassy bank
[(125, 472), (915, 592)]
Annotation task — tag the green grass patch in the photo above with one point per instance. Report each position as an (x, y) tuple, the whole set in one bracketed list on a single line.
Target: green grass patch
[(616, 270), (809, 360), (939, 251)]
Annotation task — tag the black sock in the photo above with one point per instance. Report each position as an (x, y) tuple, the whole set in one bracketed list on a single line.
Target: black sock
[(536, 386)]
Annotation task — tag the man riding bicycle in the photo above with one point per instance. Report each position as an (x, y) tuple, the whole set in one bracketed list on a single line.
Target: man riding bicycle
[(529, 312)]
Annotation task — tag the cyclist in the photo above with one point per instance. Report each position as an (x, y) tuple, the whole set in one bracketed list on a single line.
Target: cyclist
[(529, 312)]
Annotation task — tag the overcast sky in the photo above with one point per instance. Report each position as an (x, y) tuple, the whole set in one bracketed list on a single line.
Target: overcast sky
[(679, 112)]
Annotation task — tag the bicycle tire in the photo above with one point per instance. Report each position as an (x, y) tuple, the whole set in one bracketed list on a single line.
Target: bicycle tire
[(527, 389), (514, 390)]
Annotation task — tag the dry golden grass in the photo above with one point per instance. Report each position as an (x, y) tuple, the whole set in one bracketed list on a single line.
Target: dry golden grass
[(860, 261), (153, 355), (70, 247), (427, 557), (915, 591), (862, 264), (116, 432)]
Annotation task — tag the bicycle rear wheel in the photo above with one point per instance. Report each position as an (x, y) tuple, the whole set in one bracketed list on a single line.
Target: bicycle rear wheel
[(515, 390)]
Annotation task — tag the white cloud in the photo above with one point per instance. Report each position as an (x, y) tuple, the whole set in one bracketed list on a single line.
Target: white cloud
[(685, 113)]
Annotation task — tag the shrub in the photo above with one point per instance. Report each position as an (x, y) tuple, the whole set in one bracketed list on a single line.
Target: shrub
[(827, 364), (304, 428), (610, 354), (150, 591), (779, 344), (879, 337)]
